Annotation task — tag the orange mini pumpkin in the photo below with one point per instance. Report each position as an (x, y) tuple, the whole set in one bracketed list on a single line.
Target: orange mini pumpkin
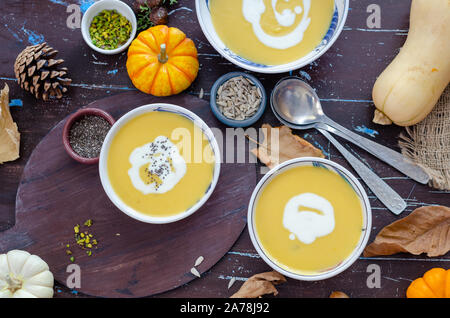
[(434, 284), (162, 61)]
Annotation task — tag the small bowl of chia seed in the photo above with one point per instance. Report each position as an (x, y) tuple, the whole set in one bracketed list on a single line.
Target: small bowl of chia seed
[(84, 133)]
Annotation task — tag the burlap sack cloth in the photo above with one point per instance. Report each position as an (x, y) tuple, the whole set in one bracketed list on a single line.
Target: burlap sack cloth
[(428, 143)]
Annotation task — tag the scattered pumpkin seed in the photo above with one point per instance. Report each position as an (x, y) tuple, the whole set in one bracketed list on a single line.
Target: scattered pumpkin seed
[(231, 282), (199, 260), (195, 272)]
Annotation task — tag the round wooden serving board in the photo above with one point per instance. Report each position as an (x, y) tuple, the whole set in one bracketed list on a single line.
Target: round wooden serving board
[(133, 259)]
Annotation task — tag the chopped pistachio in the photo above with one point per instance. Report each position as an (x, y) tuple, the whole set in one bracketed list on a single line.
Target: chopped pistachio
[(109, 30), (84, 239)]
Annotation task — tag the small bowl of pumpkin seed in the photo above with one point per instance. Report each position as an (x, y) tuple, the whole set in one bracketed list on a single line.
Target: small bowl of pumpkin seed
[(238, 99), (109, 26)]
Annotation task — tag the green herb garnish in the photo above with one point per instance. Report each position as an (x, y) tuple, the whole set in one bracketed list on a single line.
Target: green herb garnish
[(143, 18)]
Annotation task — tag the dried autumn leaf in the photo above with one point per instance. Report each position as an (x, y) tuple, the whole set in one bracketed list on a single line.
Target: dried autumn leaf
[(9, 134), (425, 230), (338, 294), (260, 284), (281, 145)]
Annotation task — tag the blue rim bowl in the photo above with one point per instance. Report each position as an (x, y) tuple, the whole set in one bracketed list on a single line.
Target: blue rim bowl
[(231, 122), (335, 29), (357, 188)]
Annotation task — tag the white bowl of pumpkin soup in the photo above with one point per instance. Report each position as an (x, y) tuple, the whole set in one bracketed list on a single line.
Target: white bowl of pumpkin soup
[(159, 163), (272, 36), (309, 218)]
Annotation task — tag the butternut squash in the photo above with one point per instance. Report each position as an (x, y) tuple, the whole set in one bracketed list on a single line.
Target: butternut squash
[(408, 89)]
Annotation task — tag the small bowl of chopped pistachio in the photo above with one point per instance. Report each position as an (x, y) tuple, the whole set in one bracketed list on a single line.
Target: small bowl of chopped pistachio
[(238, 99), (109, 26), (84, 133)]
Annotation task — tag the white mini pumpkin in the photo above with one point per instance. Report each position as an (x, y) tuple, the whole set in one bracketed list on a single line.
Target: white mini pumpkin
[(23, 275)]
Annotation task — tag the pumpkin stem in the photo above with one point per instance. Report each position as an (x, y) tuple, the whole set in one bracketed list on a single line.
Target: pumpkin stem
[(162, 56), (14, 284)]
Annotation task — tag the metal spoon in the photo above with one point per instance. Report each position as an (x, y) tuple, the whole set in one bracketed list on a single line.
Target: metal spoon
[(295, 102), (381, 189)]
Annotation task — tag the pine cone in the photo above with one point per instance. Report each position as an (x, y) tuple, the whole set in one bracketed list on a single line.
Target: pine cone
[(40, 74)]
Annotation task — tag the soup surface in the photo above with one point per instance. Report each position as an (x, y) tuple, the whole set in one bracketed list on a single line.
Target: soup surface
[(160, 163), (271, 32), (308, 219)]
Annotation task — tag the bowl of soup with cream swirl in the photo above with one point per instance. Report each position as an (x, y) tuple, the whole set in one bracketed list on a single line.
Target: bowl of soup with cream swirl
[(159, 163), (272, 36), (309, 218)]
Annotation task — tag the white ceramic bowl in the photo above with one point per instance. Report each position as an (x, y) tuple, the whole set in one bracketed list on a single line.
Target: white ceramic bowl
[(344, 173), (104, 155), (95, 9), (336, 26)]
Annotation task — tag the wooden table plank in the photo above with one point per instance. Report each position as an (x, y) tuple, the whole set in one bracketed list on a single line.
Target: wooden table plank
[(343, 77)]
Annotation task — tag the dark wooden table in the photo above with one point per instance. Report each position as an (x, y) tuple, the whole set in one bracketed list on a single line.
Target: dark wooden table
[(343, 77)]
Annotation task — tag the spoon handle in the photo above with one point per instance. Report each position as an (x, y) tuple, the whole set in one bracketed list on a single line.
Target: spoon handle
[(391, 157), (381, 189)]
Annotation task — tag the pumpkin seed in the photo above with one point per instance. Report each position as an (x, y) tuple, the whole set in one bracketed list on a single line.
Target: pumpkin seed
[(199, 260), (195, 272), (232, 280)]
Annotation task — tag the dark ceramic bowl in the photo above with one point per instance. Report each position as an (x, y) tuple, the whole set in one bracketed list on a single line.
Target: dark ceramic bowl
[(231, 122), (68, 125)]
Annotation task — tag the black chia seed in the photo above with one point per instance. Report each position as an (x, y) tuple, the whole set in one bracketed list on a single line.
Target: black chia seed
[(87, 135)]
